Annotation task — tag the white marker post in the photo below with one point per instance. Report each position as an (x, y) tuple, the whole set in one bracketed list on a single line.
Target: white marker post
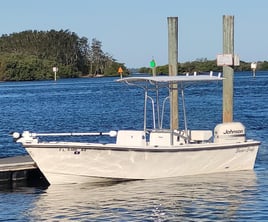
[(254, 67), (55, 70)]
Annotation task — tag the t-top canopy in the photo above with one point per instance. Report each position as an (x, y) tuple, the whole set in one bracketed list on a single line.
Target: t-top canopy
[(171, 79)]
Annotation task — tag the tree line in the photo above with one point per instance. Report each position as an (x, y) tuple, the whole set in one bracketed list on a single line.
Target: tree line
[(204, 65), (30, 55)]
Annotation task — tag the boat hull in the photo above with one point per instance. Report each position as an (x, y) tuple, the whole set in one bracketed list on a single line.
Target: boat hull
[(79, 163)]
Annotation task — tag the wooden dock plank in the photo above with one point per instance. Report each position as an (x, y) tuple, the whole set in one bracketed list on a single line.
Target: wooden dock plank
[(17, 163), (20, 169)]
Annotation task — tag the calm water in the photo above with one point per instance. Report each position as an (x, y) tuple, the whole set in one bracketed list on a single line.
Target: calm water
[(82, 105)]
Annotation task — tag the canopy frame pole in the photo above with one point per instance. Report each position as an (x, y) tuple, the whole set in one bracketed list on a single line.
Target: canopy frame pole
[(145, 109), (184, 114)]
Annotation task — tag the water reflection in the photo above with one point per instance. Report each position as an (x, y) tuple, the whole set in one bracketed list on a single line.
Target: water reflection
[(195, 198)]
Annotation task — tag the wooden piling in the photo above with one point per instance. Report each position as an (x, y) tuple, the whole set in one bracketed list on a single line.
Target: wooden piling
[(154, 71), (153, 67), (228, 71), (173, 69)]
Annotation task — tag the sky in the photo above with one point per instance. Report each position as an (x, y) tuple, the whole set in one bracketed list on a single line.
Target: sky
[(135, 31)]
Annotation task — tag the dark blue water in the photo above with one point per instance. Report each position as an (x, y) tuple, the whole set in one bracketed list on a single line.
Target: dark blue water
[(101, 104)]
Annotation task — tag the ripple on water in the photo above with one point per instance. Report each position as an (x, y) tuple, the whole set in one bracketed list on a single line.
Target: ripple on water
[(222, 197)]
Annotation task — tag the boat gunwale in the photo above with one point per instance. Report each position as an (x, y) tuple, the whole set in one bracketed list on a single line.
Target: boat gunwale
[(115, 147)]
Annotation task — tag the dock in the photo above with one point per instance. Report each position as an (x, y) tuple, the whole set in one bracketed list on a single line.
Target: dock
[(20, 169)]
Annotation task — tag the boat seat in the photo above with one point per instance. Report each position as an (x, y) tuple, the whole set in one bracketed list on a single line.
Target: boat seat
[(200, 135), (195, 136), (131, 138), (160, 138), (163, 138)]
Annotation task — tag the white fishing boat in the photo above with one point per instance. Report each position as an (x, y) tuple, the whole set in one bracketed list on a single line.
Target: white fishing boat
[(147, 153)]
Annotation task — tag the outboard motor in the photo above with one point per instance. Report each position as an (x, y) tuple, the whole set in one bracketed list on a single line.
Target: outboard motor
[(233, 132)]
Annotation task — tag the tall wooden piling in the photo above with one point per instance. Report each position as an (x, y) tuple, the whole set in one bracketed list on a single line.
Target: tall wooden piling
[(173, 69), (228, 71)]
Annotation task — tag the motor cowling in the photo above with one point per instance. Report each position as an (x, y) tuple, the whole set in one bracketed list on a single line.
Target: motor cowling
[(233, 132)]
